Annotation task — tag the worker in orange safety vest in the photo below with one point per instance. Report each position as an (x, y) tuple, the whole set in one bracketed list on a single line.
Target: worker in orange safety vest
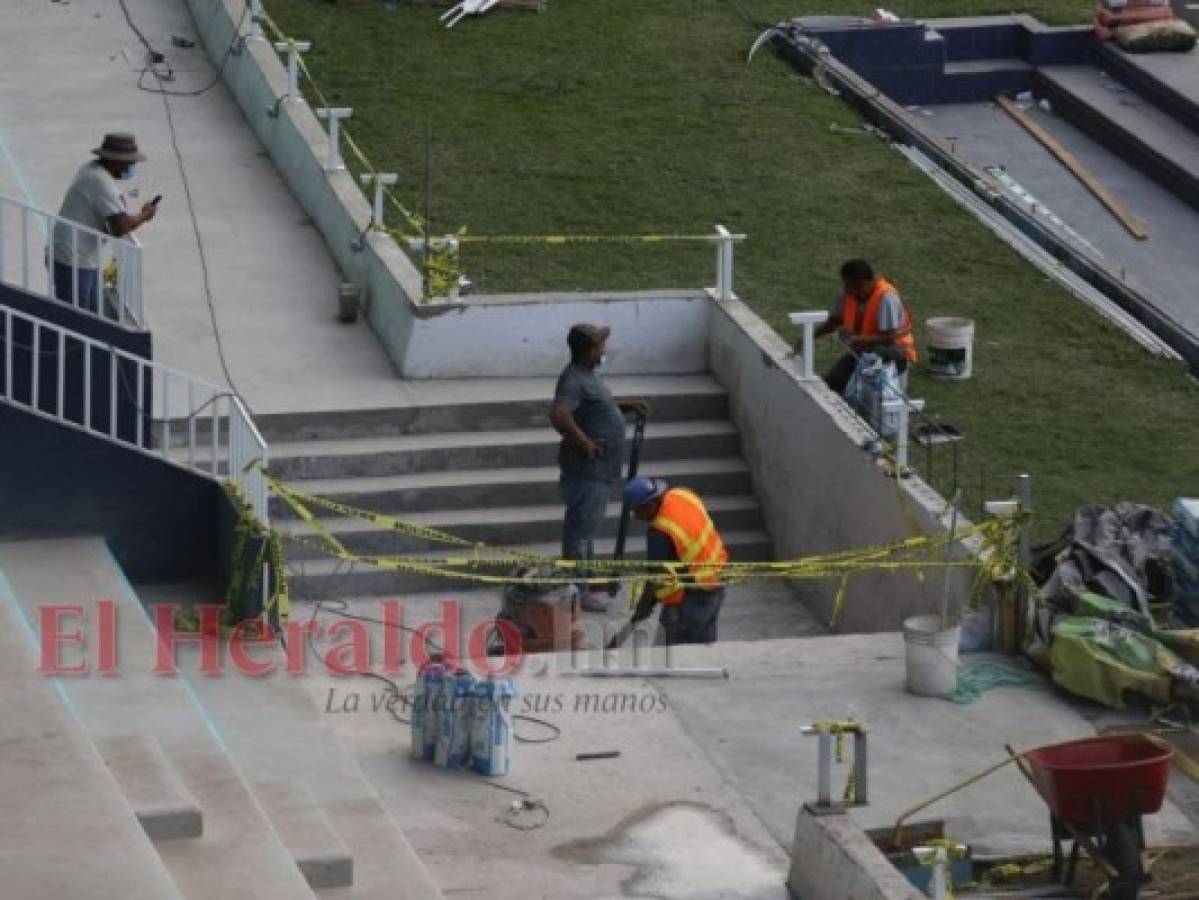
[(681, 532), (870, 317)]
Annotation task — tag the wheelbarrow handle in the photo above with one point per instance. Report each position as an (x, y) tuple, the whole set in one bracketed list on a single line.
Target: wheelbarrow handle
[(1083, 840)]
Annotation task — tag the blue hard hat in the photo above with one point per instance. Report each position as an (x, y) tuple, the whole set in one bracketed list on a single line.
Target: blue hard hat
[(639, 491)]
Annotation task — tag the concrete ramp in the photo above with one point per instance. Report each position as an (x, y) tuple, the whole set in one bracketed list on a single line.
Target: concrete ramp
[(67, 830)]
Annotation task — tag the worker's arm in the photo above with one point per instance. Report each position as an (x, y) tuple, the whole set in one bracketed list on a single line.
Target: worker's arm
[(563, 420), (123, 223), (658, 548), (829, 325)]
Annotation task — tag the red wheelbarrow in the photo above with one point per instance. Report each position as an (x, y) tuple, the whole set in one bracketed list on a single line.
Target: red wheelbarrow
[(1098, 790)]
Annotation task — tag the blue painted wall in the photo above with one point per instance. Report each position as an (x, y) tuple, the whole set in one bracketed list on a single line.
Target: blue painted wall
[(161, 521)]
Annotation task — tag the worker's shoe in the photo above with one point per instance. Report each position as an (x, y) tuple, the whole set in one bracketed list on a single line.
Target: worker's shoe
[(593, 603)]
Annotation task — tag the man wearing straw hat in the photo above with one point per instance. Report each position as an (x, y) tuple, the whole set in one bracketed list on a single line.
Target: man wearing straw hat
[(94, 199)]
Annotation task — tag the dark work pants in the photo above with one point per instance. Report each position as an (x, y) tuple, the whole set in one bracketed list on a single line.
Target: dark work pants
[(694, 620), (838, 376)]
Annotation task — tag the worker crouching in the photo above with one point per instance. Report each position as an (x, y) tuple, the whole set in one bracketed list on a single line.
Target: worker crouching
[(680, 531)]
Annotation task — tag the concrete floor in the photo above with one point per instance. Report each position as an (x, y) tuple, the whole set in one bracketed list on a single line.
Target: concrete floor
[(68, 74), (1162, 266)]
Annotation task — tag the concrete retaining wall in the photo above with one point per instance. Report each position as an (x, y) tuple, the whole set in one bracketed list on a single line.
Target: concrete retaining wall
[(819, 491), (660, 331), (653, 333), (296, 142), (833, 859)]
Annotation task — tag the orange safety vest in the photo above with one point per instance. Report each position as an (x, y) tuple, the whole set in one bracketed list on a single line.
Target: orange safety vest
[(862, 319), (684, 520)]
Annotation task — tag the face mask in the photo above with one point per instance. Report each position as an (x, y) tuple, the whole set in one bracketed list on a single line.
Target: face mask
[(127, 175)]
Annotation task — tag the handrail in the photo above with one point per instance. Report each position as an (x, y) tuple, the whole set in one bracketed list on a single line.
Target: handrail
[(137, 403), (111, 291)]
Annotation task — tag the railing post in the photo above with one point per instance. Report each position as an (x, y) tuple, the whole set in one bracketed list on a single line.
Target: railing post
[(334, 114), (724, 263), (293, 49), (808, 321), (381, 180), (256, 20)]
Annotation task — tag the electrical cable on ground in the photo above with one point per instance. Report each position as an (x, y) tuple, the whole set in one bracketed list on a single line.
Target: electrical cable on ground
[(191, 208)]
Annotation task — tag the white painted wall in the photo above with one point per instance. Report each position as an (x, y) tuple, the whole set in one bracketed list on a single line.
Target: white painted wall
[(653, 333)]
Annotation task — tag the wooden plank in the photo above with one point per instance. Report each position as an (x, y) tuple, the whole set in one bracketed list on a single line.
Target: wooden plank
[(1114, 206)]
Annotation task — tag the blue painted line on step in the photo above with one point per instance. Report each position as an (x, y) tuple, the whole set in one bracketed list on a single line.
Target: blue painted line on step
[(10, 595), (208, 722), (17, 172)]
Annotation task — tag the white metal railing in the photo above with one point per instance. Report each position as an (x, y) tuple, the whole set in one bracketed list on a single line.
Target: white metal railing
[(40, 252), (138, 403)]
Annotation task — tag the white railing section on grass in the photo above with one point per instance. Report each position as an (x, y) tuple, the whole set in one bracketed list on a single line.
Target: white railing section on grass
[(28, 255), (137, 403)]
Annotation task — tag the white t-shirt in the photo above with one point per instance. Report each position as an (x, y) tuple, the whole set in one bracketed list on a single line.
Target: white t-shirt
[(91, 199)]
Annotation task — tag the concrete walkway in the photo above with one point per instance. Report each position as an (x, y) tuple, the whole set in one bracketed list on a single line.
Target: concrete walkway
[(69, 73)]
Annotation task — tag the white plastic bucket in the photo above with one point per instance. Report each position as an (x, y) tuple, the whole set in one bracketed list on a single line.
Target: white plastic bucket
[(932, 656), (950, 347)]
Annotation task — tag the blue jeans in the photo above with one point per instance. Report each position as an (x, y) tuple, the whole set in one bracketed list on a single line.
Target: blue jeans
[(694, 620), (89, 287), (586, 501)]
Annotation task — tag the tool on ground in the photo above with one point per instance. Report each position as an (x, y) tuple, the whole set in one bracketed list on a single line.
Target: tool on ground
[(601, 754), (545, 617), (831, 735), (622, 530), (1114, 206)]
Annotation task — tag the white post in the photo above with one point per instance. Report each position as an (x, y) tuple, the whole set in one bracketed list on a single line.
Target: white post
[(293, 49), (381, 180), (724, 263), (808, 322), (334, 114), (256, 20)]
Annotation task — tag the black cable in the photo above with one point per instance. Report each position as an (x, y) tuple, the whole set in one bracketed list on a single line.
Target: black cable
[(191, 208), (153, 53)]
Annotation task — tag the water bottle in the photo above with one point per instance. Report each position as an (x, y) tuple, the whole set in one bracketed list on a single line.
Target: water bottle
[(491, 726), (426, 700), (453, 735)]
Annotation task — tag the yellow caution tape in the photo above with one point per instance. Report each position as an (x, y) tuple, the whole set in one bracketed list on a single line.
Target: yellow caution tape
[(488, 565)]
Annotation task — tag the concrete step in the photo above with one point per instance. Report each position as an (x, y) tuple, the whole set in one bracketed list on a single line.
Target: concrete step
[(67, 829), (492, 526), (397, 455), (318, 851), (276, 733), (977, 80), (239, 854), (490, 405), (1129, 125), (479, 488), (162, 802), (330, 578)]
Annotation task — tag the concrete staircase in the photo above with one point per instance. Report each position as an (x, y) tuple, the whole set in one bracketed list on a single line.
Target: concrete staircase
[(240, 789), (486, 470)]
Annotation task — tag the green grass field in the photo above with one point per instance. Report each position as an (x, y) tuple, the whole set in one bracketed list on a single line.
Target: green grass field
[(632, 116)]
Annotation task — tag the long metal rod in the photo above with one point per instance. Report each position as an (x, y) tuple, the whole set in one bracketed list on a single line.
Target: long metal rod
[(1077, 169), (701, 672)]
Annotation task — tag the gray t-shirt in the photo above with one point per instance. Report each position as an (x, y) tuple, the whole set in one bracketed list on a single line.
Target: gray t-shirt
[(92, 198), (590, 402), (890, 312)]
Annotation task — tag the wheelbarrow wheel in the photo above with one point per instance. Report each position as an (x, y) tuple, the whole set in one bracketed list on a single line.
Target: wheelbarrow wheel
[(1123, 851)]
